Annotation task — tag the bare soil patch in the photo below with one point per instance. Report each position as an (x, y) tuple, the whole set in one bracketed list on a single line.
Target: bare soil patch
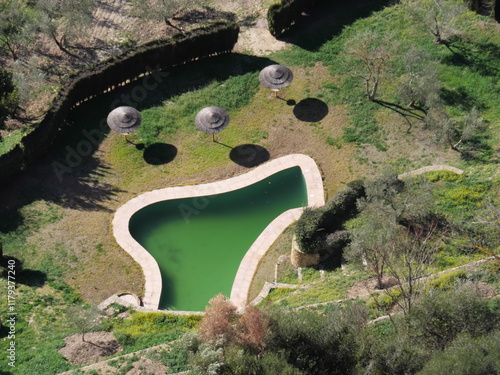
[(96, 346), (369, 286)]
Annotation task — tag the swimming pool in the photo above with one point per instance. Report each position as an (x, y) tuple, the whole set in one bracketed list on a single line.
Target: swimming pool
[(188, 205), (199, 243)]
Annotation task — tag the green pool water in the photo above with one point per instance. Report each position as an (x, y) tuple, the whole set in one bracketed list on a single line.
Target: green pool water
[(200, 242)]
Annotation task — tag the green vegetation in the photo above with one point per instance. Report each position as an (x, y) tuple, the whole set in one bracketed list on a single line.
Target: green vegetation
[(59, 230), (333, 285), (8, 96), (340, 340), (143, 330), (232, 94)]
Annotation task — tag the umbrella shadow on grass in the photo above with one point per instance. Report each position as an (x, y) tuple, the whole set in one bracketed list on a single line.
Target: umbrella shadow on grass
[(310, 110), (249, 155), (159, 153)]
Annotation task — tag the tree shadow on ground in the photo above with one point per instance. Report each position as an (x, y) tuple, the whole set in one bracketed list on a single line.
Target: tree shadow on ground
[(33, 278), (320, 24), (310, 110), (483, 58), (72, 174), (459, 97), (21, 275), (159, 153), (416, 113), (249, 155)]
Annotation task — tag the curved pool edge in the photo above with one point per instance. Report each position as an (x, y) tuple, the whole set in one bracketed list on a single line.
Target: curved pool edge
[(249, 264)]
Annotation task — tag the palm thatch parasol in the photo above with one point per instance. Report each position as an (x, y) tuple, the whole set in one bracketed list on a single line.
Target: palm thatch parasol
[(275, 77), (212, 120), (124, 120)]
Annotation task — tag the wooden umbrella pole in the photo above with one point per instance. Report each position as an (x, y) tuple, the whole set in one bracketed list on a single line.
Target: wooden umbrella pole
[(213, 137)]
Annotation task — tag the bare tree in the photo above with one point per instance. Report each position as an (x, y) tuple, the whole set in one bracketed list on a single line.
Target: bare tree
[(369, 247), (437, 16), (218, 319), (163, 10), (252, 329), (368, 56), (411, 255), (389, 208)]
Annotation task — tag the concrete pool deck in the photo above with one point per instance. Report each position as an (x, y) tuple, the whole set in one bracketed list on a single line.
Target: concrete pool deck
[(249, 264)]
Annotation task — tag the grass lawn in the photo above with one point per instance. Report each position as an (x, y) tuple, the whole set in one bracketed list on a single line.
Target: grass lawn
[(58, 219)]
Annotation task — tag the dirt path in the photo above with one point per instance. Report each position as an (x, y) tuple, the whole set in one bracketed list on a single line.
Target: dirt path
[(115, 25)]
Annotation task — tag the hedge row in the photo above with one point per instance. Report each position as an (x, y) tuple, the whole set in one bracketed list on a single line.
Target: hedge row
[(316, 227), (282, 15), (157, 55)]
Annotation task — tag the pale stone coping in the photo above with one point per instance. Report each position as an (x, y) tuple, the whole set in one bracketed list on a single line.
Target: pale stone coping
[(268, 286), (431, 168), (248, 266)]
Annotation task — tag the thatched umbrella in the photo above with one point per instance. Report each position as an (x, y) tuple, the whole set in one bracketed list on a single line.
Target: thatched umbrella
[(124, 120), (212, 120), (275, 77)]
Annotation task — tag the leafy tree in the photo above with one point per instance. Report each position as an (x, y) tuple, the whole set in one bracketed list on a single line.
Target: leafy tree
[(483, 7), (84, 318), (313, 343), (28, 78), (9, 98), (455, 133), (309, 231), (395, 353), (15, 27), (442, 315), (419, 86), (368, 56), (238, 362), (388, 207), (162, 10), (64, 20), (467, 355), (208, 358)]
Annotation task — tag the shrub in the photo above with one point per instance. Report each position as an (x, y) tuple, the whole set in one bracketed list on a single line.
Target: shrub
[(443, 314), (315, 344), (8, 96), (384, 301), (283, 14), (467, 355), (316, 224), (217, 320), (447, 280), (309, 231)]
